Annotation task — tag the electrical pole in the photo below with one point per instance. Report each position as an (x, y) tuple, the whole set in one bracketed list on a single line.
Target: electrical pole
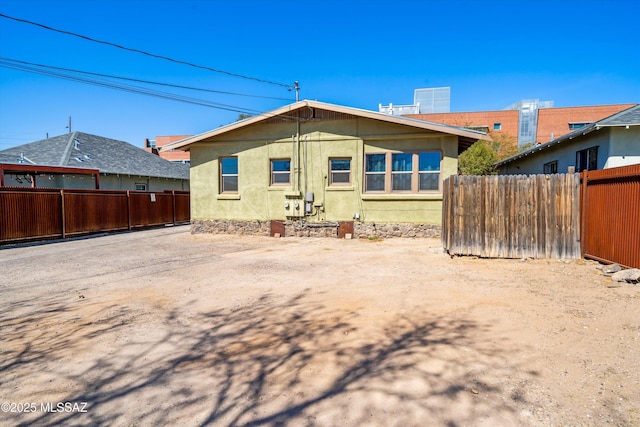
[(297, 87), (69, 127)]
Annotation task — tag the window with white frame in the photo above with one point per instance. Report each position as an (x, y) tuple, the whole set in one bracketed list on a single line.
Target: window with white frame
[(340, 171), (406, 172), (228, 175), (280, 172)]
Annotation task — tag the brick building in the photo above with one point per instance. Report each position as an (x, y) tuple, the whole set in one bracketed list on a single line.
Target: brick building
[(546, 124), (555, 122), (155, 146)]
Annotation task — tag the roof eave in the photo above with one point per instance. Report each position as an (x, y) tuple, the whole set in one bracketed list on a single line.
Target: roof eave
[(579, 132), (435, 127)]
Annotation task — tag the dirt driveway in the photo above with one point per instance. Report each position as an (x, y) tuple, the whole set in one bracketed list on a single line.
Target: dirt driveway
[(162, 327)]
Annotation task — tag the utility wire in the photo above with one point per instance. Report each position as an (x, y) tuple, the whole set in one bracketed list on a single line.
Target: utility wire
[(139, 90), (128, 88), (166, 58), (17, 61)]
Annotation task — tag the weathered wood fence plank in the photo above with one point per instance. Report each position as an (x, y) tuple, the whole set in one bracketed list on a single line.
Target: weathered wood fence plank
[(512, 216)]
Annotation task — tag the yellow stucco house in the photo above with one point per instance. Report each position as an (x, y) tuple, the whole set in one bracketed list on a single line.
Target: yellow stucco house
[(312, 168)]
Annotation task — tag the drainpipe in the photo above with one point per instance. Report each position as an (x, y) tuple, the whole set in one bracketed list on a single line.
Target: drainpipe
[(293, 161), (298, 150), (304, 163)]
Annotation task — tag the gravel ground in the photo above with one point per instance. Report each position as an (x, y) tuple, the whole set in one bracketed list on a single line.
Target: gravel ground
[(161, 327)]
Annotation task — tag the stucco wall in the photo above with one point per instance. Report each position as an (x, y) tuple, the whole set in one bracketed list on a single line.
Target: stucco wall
[(127, 182), (257, 200), (625, 147)]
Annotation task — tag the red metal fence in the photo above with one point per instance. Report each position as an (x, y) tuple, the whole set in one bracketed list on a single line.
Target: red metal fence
[(611, 215), (35, 213)]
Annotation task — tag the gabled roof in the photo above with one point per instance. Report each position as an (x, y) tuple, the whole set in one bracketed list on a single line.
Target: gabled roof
[(467, 136), (625, 118), (84, 150)]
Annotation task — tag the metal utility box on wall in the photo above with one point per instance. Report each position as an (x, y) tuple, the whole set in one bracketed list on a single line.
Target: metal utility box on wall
[(308, 203), (293, 208)]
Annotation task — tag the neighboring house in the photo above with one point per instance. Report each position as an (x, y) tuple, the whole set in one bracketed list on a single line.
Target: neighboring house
[(611, 142), (318, 164), (156, 146), (121, 166), (525, 122)]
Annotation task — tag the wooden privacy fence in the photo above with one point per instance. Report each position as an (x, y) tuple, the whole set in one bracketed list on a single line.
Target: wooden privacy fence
[(611, 215), (34, 213), (512, 216)]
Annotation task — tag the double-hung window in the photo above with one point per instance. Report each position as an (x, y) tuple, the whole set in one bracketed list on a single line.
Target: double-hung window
[(280, 172), (429, 171), (401, 171), (340, 171), (228, 175), (404, 172)]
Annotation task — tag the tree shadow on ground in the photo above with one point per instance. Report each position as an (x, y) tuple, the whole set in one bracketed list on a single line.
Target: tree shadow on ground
[(274, 361)]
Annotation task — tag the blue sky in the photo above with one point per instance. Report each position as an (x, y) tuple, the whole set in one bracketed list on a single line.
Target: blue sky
[(353, 53)]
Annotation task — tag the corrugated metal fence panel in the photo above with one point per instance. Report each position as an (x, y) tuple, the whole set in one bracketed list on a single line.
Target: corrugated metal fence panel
[(151, 209), (611, 215), (182, 207), (512, 216), (90, 212), (26, 214), (36, 213)]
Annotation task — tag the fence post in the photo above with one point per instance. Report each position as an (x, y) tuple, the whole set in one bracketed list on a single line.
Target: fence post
[(128, 210), (64, 233), (583, 211), (173, 201)]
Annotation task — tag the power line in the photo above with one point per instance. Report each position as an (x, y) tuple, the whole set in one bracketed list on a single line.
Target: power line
[(17, 61), (138, 89), (166, 58), (128, 88)]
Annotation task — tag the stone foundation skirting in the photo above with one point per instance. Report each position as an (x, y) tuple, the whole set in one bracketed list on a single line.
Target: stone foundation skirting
[(385, 231), (212, 226), (296, 229)]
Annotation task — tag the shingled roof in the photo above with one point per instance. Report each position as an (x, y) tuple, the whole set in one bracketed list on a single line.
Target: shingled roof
[(84, 150)]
